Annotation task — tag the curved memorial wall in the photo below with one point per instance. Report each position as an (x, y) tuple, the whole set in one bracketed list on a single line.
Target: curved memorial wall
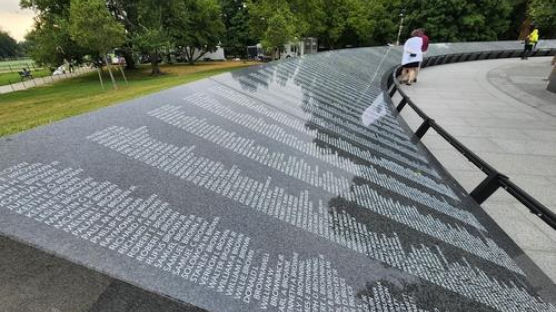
[(289, 186)]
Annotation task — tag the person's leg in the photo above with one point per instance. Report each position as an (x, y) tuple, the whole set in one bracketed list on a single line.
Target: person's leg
[(417, 70), (528, 48), (403, 76), (411, 75)]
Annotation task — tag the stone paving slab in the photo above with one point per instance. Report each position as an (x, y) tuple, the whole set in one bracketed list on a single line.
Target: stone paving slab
[(497, 121)]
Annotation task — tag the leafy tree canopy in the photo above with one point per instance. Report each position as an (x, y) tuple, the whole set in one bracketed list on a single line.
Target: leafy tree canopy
[(50, 42), (459, 20), (8, 45), (235, 16), (273, 22), (92, 26), (336, 23), (543, 13), (203, 29), (154, 27)]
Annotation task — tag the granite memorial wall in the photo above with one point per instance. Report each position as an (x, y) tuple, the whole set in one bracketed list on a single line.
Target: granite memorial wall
[(289, 186)]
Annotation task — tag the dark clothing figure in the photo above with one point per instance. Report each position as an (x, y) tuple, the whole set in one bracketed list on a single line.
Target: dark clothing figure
[(527, 51)]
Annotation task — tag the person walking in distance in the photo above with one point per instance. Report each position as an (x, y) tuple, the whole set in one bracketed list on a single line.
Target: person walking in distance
[(530, 42), (411, 57)]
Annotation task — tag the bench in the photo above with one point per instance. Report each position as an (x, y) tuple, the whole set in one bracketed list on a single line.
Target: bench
[(25, 74)]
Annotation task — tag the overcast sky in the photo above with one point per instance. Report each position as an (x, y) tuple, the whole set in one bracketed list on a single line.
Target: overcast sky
[(15, 21)]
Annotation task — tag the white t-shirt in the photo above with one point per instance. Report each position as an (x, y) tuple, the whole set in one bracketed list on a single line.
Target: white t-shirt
[(412, 46)]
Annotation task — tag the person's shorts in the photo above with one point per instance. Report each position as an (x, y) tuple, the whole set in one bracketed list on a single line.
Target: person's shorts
[(411, 65)]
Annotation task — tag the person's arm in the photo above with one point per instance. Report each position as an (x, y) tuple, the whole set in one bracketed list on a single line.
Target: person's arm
[(425, 45)]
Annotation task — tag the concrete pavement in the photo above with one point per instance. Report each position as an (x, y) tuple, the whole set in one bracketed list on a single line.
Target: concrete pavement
[(501, 110)]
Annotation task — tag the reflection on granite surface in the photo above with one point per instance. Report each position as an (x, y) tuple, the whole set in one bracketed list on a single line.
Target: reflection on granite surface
[(286, 186)]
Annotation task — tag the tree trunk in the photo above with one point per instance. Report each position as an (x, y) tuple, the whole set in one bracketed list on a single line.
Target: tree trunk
[(201, 54), (128, 56), (168, 56), (189, 55), (155, 69), (525, 29), (111, 76)]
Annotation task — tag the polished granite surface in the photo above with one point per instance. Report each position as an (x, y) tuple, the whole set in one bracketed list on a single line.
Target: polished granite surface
[(286, 186)]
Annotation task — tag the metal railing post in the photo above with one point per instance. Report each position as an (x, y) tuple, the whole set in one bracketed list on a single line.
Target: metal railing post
[(393, 91), (424, 127), (390, 81), (402, 104), (487, 187)]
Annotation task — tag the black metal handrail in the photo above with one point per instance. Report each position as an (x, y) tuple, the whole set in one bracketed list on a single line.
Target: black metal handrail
[(494, 179)]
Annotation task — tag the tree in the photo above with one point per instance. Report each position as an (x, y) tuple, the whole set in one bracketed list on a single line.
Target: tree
[(274, 23), (518, 15), (23, 48), (336, 23), (8, 45), (126, 12), (203, 29), (543, 14), (310, 16), (93, 28), (280, 30), (157, 21), (50, 42), (459, 20), (235, 16)]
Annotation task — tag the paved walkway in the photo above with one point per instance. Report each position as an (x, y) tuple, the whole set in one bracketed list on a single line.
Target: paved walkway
[(500, 110), (26, 84)]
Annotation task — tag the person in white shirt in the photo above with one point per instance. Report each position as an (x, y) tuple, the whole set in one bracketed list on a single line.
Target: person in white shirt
[(411, 57)]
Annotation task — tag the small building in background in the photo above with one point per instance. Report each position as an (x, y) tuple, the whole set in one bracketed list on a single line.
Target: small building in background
[(304, 46), (217, 55)]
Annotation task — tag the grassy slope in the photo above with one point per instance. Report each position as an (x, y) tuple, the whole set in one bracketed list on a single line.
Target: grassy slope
[(26, 109)]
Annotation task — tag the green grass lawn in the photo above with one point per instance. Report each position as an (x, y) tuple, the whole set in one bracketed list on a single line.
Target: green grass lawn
[(29, 108), (7, 78)]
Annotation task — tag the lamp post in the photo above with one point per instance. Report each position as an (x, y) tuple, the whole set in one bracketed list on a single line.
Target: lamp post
[(400, 28)]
